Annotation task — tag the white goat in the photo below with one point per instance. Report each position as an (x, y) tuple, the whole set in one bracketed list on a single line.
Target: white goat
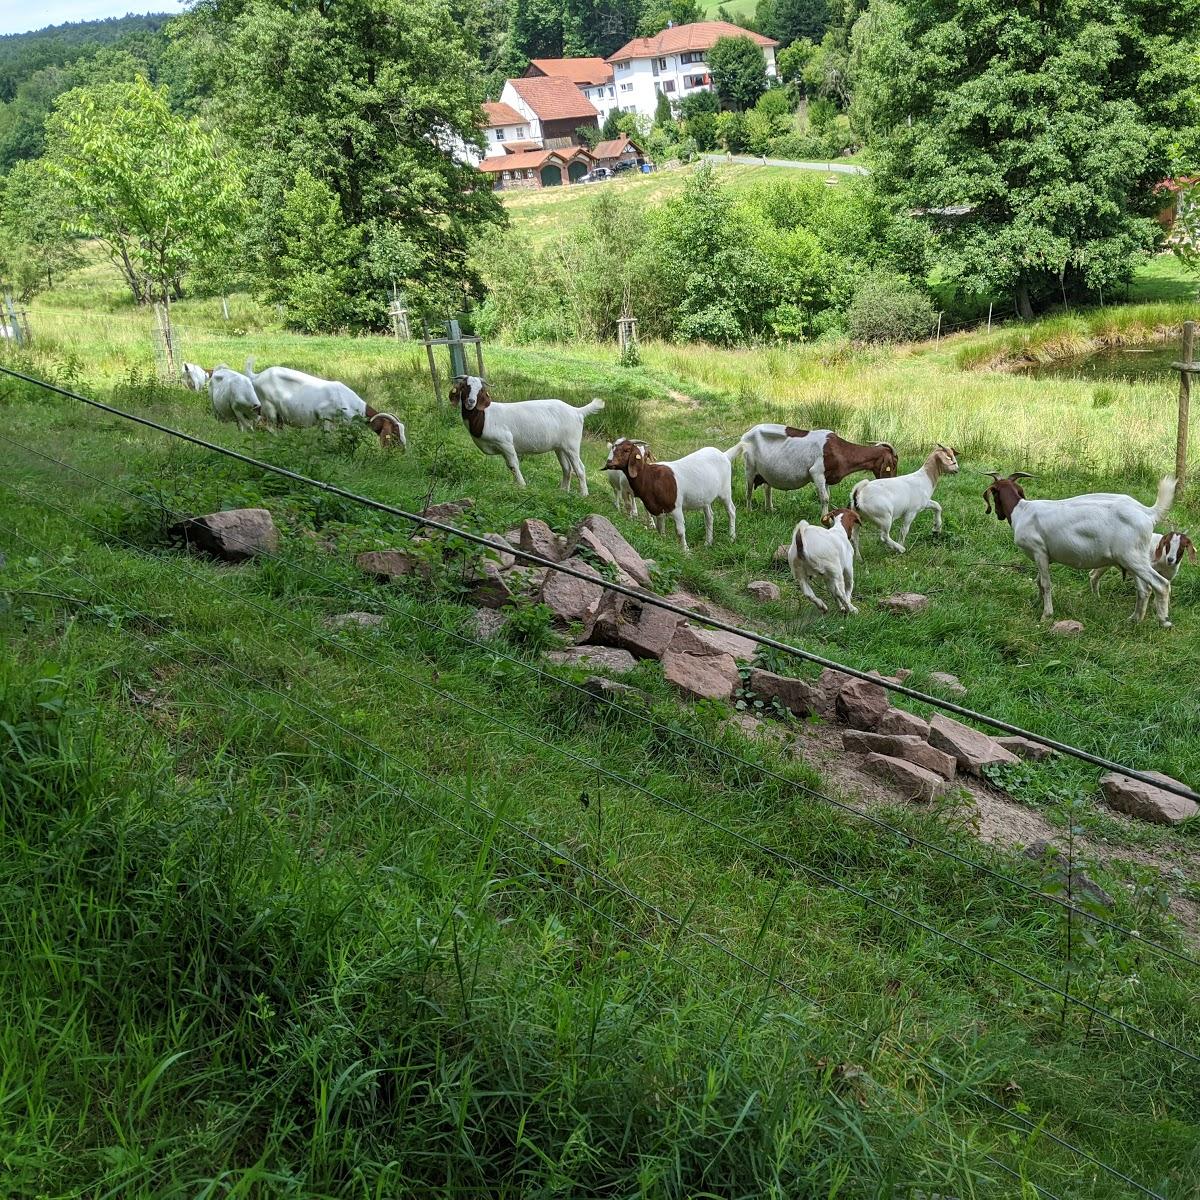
[(885, 501), (673, 488), (781, 456), (195, 378), (623, 497), (233, 398), (829, 555), (295, 398), (1104, 529), (524, 427), (1166, 558)]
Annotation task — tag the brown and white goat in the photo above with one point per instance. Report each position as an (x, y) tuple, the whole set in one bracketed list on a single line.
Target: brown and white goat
[(695, 481), (781, 456)]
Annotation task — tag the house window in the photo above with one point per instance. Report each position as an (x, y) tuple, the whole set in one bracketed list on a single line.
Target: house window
[(507, 174), (627, 87), (654, 65), (694, 81), (523, 131), (692, 56), (660, 64), (611, 92), (622, 66), (499, 135), (668, 85)]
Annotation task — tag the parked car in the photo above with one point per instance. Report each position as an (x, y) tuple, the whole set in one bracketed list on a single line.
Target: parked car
[(595, 175), (624, 165)]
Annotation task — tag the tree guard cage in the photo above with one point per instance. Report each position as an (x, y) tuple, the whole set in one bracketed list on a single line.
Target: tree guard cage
[(627, 333), (15, 321), (166, 346), (398, 315)]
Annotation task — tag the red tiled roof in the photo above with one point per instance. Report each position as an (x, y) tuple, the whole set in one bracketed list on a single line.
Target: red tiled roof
[(582, 72), (616, 147), (502, 114), (700, 36), (514, 147), (553, 98), (530, 158)]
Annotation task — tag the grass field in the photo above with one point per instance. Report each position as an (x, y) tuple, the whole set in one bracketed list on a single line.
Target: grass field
[(543, 214), (278, 922)]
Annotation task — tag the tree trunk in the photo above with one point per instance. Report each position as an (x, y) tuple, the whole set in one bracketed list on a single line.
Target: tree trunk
[(1021, 297)]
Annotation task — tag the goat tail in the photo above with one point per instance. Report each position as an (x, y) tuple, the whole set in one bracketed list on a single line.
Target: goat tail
[(736, 451), (595, 406), (854, 493), (249, 369), (798, 538), (1166, 496)]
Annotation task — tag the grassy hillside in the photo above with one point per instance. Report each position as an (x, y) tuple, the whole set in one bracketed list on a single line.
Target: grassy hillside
[(367, 912), (546, 213)]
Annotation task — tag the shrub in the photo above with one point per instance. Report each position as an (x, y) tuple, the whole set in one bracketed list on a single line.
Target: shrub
[(888, 308)]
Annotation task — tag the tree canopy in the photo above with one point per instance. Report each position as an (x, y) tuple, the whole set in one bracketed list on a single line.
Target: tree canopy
[(375, 100), (1049, 123), (738, 70), (153, 187)]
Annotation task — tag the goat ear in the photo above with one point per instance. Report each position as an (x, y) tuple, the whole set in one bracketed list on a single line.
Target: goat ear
[(633, 464), (1191, 549), (483, 399), (1161, 548), (987, 497)]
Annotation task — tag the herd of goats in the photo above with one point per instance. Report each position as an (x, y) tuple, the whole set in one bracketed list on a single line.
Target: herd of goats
[(1091, 533)]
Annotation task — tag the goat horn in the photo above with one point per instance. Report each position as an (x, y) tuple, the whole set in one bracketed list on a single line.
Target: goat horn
[(994, 474), (1022, 475)]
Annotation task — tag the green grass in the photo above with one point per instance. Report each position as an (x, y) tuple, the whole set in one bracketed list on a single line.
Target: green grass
[(543, 214), (250, 954)]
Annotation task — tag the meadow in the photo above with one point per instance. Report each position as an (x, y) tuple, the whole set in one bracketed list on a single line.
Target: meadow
[(543, 214), (321, 913)]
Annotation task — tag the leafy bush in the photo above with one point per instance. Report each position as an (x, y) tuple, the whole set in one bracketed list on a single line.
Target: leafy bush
[(889, 308)]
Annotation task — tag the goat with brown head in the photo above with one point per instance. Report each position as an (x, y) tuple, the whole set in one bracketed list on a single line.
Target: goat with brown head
[(1006, 493)]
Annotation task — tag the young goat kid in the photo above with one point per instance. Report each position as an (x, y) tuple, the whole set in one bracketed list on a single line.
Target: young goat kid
[(233, 398), (524, 427), (1104, 529), (827, 554), (1169, 552), (885, 501), (673, 488)]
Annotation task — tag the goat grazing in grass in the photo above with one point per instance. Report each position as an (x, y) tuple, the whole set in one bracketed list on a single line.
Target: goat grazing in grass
[(623, 496), (295, 398), (1105, 529), (829, 555), (781, 456), (673, 488), (885, 501), (524, 427)]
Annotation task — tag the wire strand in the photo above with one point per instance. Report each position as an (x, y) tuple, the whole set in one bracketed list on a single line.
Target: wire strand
[(767, 772), (635, 593)]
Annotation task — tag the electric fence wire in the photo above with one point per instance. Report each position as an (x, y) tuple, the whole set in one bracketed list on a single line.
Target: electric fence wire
[(768, 851), (766, 772)]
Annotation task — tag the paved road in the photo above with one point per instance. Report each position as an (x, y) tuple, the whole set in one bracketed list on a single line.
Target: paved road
[(839, 168)]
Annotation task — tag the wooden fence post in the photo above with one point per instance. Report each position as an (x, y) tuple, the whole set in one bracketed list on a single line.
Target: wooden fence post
[(1186, 366)]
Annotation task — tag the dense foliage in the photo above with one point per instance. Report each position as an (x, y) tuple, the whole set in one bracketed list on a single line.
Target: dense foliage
[(780, 262), (367, 99), (1050, 124), (738, 70), (152, 187)]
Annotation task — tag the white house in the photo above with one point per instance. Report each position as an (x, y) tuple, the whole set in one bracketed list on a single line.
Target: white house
[(553, 108), (592, 76), (507, 130), (674, 62)]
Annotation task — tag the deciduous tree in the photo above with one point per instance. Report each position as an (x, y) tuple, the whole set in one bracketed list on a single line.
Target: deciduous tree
[(1048, 123), (738, 70)]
